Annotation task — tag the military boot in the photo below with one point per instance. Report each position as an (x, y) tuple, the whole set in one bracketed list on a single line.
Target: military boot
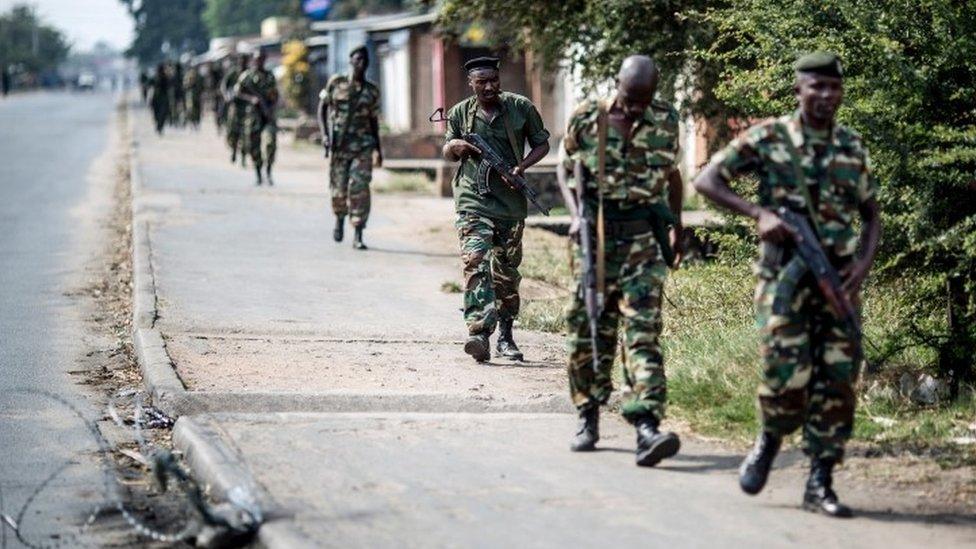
[(257, 170), (339, 231), (653, 445), (819, 496), (506, 343), (268, 172), (755, 468), (233, 156), (357, 241), (588, 431), (477, 346)]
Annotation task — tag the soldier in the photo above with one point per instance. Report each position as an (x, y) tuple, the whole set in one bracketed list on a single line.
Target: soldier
[(215, 77), (235, 108), (258, 88), (633, 193), (490, 226), (806, 163), (177, 95), (159, 100), (351, 104), (193, 84)]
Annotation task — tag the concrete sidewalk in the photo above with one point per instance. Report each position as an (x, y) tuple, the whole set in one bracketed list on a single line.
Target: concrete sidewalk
[(332, 384)]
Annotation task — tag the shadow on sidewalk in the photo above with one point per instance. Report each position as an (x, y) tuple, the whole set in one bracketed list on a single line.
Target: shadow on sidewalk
[(940, 519)]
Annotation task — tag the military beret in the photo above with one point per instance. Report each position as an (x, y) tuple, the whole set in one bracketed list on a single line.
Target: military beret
[(482, 63), (820, 62)]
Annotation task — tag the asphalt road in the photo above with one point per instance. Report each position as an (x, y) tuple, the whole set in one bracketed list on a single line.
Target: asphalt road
[(49, 219)]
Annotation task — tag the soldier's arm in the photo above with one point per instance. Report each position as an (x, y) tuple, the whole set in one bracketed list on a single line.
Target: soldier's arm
[(855, 274), (455, 148), (537, 136), (322, 113), (374, 129), (676, 190)]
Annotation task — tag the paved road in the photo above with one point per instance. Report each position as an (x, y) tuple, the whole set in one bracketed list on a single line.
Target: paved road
[(49, 210)]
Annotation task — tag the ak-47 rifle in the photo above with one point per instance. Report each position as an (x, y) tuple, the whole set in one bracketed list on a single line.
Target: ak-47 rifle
[(491, 160), (828, 279), (592, 298)]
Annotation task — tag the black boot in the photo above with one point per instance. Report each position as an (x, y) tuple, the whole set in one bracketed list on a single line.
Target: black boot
[(819, 496), (588, 431), (233, 156), (755, 468), (268, 173), (506, 346), (477, 346), (357, 241), (339, 230), (652, 445), (257, 170)]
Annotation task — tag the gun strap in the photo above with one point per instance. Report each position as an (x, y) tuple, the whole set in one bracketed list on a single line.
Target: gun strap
[(799, 179), (601, 132), (511, 136)]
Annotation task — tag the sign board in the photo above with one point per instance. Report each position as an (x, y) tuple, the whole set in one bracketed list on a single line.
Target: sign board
[(317, 10)]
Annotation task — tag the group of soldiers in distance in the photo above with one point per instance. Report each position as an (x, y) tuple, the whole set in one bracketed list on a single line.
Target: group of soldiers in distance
[(622, 152)]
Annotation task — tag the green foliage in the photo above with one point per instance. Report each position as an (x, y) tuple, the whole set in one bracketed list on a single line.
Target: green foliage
[(243, 17), (166, 29), (27, 43)]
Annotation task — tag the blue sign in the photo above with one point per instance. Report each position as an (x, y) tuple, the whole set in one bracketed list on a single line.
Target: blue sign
[(317, 10)]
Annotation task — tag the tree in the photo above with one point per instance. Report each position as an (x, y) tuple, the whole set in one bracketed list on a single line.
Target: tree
[(243, 17), (28, 44), (166, 28), (350, 9)]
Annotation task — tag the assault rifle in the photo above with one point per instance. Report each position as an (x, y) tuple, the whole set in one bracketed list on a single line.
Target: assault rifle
[(592, 298), (491, 160), (828, 280)]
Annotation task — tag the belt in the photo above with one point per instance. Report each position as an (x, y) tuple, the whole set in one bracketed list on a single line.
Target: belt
[(623, 229)]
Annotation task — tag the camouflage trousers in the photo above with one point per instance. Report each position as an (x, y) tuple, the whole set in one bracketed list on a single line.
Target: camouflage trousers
[(256, 131), (491, 252), (235, 125), (809, 368), (350, 173), (635, 275)]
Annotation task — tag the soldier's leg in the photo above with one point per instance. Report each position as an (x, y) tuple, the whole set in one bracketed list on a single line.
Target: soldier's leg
[(339, 183), (253, 129), (830, 411), (270, 144), (589, 388), (476, 234), (505, 260), (360, 176), (641, 286)]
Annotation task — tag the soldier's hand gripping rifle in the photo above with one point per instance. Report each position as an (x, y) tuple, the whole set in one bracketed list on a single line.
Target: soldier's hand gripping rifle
[(592, 298), (828, 279), (491, 160)]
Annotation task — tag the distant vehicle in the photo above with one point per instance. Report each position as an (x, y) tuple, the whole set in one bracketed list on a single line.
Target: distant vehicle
[(86, 81)]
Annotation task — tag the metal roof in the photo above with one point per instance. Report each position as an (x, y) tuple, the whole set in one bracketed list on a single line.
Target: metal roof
[(377, 22)]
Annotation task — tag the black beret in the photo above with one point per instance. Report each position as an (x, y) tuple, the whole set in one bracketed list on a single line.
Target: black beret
[(820, 62), (482, 63)]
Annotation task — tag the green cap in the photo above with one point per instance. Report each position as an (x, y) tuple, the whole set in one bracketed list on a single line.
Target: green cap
[(820, 62)]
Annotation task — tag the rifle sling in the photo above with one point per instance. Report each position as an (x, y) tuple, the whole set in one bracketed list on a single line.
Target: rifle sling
[(601, 131), (799, 179)]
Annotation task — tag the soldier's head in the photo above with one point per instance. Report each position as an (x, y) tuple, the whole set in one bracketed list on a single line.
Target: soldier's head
[(259, 58), (636, 85), (819, 87), (359, 61), (243, 60), (484, 79)]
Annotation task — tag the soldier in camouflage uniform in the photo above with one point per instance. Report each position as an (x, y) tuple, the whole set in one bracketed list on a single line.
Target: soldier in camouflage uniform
[(641, 187), (236, 108), (257, 86), (193, 84), (348, 115), (819, 169), (490, 226)]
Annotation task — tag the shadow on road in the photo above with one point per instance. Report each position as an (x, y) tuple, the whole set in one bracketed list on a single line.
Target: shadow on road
[(942, 519)]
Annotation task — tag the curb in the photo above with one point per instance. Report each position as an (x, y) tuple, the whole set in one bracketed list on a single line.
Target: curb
[(217, 465)]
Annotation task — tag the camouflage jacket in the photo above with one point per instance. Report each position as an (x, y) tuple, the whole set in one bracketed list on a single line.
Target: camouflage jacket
[(637, 169), (351, 109), (258, 82), (836, 170)]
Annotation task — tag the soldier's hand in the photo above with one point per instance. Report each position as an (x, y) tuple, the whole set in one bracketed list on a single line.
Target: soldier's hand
[(677, 245), (772, 228), (462, 149), (853, 276), (574, 228)]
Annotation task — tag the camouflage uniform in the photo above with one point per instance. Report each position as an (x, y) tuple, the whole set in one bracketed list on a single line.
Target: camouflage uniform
[(260, 83), (636, 181), (490, 227), (193, 83), (351, 110), (235, 110), (809, 358)]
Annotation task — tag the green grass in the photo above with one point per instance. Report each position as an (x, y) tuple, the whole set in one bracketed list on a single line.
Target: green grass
[(404, 182), (711, 349)]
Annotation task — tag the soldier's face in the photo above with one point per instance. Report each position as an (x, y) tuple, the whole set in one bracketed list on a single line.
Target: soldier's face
[(485, 84), (358, 63), (259, 61), (819, 96), (634, 101)]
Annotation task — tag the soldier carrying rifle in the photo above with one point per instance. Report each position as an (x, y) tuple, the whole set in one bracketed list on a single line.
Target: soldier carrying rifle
[(626, 204), (490, 225), (814, 179)]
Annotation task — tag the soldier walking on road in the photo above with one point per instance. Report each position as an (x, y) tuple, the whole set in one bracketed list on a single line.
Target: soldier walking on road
[(490, 226), (215, 78), (810, 165), (631, 191), (193, 84), (258, 88), (235, 108), (348, 116), (159, 100)]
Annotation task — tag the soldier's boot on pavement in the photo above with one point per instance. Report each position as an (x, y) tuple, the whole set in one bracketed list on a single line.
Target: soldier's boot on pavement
[(257, 170), (268, 173), (755, 468), (506, 346), (653, 445), (357, 241), (339, 231), (233, 156), (477, 346), (819, 496), (588, 430)]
